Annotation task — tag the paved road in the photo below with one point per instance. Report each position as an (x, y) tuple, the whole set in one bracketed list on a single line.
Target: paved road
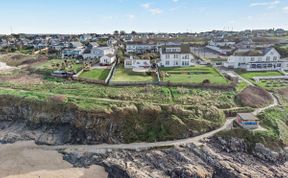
[(143, 146)]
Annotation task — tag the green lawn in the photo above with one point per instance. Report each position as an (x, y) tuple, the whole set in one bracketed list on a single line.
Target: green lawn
[(250, 75), (127, 75), (268, 84), (195, 74), (96, 74)]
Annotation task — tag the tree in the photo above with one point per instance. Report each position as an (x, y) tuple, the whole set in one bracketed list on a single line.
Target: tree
[(122, 32), (206, 81), (116, 33), (133, 33)]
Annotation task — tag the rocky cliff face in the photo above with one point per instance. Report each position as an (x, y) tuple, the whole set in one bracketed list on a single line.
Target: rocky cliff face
[(183, 162), (54, 122), (236, 145)]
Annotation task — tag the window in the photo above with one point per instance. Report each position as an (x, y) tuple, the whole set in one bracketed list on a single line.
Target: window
[(185, 63), (176, 56), (176, 63), (252, 59), (128, 63), (167, 56), (268, 58), (167, 63), (275, 58)]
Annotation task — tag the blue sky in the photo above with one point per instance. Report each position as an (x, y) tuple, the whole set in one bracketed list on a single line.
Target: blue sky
[(100, 16)]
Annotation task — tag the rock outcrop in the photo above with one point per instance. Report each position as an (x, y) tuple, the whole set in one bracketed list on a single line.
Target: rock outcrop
[(236, 145), (56, 122), (184, 162)]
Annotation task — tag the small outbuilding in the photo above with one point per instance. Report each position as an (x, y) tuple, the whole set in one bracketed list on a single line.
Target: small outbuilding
[(247, 120)]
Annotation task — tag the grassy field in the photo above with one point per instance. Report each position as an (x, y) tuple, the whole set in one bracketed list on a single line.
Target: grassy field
[(152, 94), (96, 74), (127, 75), (59, 64), (193, 75)]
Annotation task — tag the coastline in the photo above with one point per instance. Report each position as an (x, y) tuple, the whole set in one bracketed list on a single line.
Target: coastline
[(26, 159)]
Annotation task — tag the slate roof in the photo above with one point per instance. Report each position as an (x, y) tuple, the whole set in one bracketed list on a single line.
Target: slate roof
[(185, 49), (247, 117), (253, 52)]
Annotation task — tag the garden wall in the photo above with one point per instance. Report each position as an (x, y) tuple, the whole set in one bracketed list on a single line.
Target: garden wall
[(90, 81), (111, 73)]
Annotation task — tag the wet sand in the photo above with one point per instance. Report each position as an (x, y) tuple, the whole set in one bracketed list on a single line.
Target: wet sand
[(27, 160)]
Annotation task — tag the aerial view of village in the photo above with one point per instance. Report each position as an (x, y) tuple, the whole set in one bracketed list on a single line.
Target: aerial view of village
[(167, 97)]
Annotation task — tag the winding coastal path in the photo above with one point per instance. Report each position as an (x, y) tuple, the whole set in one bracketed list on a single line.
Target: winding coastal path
[(145, 146), (142, 146)]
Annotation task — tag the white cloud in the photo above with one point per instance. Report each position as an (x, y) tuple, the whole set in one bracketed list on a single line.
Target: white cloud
[(285, 9), (154, 11), (146, 6), (131, 16), (268, 4)]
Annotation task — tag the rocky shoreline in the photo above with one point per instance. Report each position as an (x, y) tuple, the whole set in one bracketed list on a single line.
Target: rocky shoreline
[(218, 157), (186, 161)]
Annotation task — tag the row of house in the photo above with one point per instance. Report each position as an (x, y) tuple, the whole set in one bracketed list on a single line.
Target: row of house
[(177, 55), (170, 56)]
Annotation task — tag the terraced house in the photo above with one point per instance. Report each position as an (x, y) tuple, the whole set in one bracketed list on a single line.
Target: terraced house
[(176, 56), (141, 47), (267, 59)]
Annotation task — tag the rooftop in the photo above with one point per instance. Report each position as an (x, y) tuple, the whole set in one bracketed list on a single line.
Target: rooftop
[(184, 49), (253, 52), (247, 117)]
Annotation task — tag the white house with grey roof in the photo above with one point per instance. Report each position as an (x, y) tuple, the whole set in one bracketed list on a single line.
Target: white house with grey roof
[(98, 52), (176, 56), (257, 60)]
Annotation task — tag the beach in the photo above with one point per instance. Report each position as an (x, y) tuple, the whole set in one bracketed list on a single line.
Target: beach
[(27, 160)]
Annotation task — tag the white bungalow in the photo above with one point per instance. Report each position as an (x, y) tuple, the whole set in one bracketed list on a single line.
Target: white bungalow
[(257, 60), (107, 59), (176, 56)]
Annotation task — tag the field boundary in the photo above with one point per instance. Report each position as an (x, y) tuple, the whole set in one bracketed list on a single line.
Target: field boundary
[(111, 73), (230, 86)]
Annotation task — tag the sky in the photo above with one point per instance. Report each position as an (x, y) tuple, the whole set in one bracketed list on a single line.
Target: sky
[(105, 16)]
